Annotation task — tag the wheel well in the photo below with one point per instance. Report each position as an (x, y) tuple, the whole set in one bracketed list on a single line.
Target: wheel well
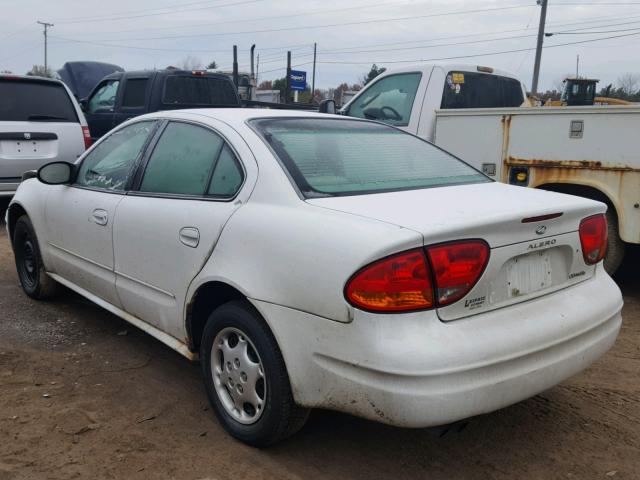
[(580, 191), (207, 298), (15, 212)]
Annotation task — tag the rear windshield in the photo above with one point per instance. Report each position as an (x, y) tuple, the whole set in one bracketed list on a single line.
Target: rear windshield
[(330, 157), (25, 100), (480, 90), (192, 90)]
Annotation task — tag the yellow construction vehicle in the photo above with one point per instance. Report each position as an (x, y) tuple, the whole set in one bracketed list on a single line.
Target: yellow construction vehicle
[(582, 91)]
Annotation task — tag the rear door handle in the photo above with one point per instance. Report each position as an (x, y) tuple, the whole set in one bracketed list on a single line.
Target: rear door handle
[(100, 216), (189, 236)]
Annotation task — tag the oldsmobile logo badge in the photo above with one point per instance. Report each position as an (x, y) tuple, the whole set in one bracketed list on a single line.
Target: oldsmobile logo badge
[(27, 136), (541, 229)]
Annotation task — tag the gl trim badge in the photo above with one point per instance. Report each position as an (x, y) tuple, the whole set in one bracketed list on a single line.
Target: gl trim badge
[(27, 136), (541, 230)]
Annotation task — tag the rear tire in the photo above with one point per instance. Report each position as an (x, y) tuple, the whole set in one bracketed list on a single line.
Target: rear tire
[(31, 272), (237, 346), (616, 247)]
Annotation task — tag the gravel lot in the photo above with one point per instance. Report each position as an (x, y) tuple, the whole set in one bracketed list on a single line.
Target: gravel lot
[(85, 395)]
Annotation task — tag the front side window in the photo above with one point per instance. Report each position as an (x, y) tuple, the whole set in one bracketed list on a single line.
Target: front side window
[(389, 100), (135, 92), (329, 157), (182, 161), (104, 99), (111, 163)]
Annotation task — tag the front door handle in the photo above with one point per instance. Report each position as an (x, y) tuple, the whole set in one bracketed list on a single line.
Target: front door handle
[(100, 216), (189, 236)]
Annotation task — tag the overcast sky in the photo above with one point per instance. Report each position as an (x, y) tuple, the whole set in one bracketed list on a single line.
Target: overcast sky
[(350, 34)]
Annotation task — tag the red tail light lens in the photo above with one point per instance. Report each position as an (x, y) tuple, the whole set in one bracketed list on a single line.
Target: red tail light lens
[(456, 268), (395, 284), (593, 238), (88, 141)]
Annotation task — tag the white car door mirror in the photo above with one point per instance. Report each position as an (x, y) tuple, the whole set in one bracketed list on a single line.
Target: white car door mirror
[(56, 173)]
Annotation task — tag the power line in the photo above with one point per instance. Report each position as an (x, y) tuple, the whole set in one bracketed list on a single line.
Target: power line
[(422, 60), (128, 17), (309, 27)]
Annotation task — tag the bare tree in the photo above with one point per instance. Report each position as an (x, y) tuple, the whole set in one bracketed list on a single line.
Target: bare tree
[(629, 83), (191, 63), (39, 71)]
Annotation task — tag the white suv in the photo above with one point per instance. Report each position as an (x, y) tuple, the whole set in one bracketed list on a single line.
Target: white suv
[(40, 122)]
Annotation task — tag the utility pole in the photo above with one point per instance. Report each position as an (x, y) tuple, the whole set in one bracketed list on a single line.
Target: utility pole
[(577, 66), (287, 90), (313, 78), (45, 26), (536, 67)]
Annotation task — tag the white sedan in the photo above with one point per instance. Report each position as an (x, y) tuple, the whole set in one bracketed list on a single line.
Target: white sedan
[(313, 260)]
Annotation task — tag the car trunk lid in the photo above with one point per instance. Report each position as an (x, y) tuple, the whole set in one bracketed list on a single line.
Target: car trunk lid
[(528, 258)]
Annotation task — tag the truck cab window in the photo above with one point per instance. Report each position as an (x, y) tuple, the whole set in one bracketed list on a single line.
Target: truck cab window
[(135, 92), (480, 90), (104, 99), (389, 100)]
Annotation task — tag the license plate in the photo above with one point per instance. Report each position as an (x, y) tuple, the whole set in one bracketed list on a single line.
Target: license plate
[(528, 273), (20, 147)]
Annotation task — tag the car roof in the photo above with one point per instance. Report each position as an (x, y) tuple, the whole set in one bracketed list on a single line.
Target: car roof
[(165, 72), (29, 78), (238, 116)]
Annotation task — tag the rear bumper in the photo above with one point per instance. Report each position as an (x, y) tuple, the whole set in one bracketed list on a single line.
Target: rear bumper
[(413, 370)]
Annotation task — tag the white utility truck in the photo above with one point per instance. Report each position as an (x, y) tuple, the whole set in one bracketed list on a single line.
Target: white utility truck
[(482, 115)]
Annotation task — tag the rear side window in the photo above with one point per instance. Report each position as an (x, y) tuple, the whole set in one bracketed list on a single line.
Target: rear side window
[(111, 163), (135, 92), (227, 177), (389, 100), (182, 161), (198, 90), (480, 90), (25, 100)]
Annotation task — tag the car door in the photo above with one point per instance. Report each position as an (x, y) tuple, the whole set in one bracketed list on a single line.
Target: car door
[(166, 229), (100, 107), (79, 217)]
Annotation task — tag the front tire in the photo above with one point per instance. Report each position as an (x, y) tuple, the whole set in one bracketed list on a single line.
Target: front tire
[(246, 378), (31, 272)]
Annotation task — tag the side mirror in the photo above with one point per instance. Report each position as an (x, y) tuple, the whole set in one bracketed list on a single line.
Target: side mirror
[(56, 173), (327, 106), (84, 102)]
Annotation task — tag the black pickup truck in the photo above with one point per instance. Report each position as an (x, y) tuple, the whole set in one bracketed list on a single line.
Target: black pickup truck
[(123, 95)]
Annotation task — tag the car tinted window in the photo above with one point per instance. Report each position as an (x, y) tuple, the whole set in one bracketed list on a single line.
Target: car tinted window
[(346, 157), (480, 90), (227, 176), (27, 100), (104, 99), (198, 90), (182, 160), (135, 92), (111, 163), (390, 99)]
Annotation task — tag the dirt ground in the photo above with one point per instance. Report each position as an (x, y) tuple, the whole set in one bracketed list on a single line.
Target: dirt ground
[(85, 395)]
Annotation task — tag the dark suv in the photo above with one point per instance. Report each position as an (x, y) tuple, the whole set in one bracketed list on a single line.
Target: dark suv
[(123, 95)]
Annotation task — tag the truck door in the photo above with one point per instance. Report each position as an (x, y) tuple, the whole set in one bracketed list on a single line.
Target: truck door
[(100, 107), (133, 98)]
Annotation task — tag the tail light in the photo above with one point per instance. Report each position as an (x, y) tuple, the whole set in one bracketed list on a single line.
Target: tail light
[(395, 284), (419, 279), (88, 141), (456, 268), (593, 238)]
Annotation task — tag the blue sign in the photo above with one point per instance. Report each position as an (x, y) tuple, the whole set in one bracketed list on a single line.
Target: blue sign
[(298, 80)]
